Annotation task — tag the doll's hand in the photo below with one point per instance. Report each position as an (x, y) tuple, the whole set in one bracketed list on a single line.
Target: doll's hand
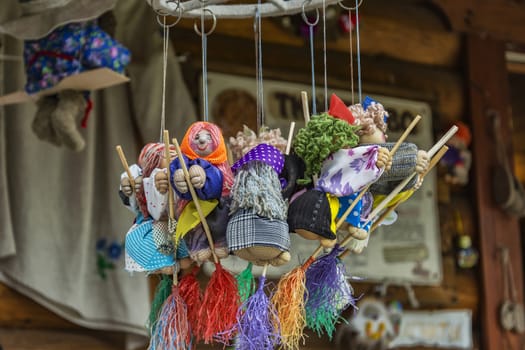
[(180, 181), (125, 186), (161, 182), (384, 159), (422, 161), (197, 176), (138, 184)]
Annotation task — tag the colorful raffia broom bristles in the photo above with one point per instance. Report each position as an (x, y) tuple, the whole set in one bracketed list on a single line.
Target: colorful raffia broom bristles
[(189, 290), (172, 331), (329, 294), (258, 323), (218, 312), (162, 292), (245, 283), (289, 301)]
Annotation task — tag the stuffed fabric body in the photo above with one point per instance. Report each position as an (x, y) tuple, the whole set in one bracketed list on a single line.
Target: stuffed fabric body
[(212, 188), (403, 165), (348, 171), (359, 214), (71, 49)]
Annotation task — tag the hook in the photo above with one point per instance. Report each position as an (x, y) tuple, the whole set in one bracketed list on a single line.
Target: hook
[(164, 14), (305, 19), (340, 3), (214, 19)]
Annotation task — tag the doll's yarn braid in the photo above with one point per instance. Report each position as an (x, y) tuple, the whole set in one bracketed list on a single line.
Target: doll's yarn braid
[(322, 136)]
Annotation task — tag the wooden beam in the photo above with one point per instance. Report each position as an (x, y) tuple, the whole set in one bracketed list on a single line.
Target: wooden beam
[(381, 36), (502, 20), (489, 90)]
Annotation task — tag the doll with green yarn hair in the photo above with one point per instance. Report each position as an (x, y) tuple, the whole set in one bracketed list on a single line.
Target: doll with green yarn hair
[(322, 136), (312, 212)]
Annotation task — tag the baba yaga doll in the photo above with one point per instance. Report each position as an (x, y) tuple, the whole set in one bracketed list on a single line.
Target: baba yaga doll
[(70, 49), (204, 153), (348, 171), (257, 230), (149, 245), (371, 117)]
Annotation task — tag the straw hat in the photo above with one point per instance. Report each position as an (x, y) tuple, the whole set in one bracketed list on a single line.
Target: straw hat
[(39, 17)]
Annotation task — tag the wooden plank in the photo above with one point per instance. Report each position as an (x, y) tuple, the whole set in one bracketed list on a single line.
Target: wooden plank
[(489, 90), (501, 20), (385, 36), (24, 339), (18, 311)]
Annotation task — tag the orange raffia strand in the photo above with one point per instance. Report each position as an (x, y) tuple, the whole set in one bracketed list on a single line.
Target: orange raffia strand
[(289, 301)]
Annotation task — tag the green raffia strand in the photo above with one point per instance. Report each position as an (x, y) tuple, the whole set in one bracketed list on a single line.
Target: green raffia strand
[(246, 283), (162, 292), (323, 321), (322, 136)]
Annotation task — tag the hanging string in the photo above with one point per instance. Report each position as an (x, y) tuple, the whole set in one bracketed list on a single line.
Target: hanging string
[(204, 50), (358, 50), (324, 59), (165, 45), (351, 29), (311, 26), (258, 66)]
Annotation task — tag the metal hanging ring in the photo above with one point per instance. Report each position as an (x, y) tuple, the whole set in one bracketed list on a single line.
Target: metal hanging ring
[(165, 14), (340, 3), (161, 11), (305, 18), (212, 29)]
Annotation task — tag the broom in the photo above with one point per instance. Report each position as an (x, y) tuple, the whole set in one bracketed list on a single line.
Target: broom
[(258, 323), (326, 286), (218, 311), (172, 329)]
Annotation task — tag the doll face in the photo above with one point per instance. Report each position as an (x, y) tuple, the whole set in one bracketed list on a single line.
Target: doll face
[(376, 137), (202, 143)]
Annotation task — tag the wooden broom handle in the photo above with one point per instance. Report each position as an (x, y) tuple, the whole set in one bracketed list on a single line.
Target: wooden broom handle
[(171, 200), (196, 201), (125, 165)]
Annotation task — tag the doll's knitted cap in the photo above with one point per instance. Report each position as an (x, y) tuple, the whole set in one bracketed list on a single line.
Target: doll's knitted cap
[(246, 229), (265, 153), (141, 248), (311, 212)]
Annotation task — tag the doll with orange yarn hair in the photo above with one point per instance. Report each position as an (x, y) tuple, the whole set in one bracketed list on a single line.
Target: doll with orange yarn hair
[(204, 152)]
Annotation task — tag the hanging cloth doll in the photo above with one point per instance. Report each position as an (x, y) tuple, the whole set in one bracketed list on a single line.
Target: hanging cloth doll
[(149, 247), (257, 230), (68, 50), (204, 152)]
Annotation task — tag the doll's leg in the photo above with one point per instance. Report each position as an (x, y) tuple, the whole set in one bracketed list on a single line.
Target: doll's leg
[(70, 107), (42, 125)]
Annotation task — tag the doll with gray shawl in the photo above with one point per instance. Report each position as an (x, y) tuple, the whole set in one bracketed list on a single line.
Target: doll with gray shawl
[(257, 230), (372, 117)]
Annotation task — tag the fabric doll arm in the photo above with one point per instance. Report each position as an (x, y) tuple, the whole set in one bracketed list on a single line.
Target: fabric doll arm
[(130, 202), (156, 201), (403, 165), (212, 188)]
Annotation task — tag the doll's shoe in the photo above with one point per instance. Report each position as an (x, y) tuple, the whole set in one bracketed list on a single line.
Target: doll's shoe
[(357, 246), (70, 108), (222, 252), (357, 233), (201, 256), (42, 126), (327, 243), (282, 259)]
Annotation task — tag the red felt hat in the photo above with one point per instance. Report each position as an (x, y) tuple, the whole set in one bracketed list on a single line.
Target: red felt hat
[(339, 110)]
